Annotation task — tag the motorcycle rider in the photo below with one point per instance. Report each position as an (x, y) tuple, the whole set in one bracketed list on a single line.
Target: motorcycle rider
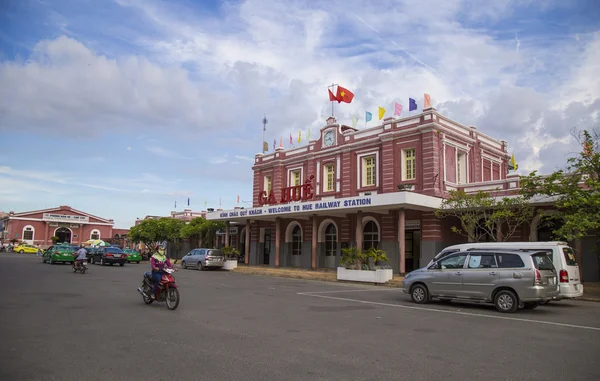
[(81, 255), (158, 261)]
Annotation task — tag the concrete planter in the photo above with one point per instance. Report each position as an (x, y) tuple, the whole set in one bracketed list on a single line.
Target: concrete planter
[(370, 276), (230, 264)]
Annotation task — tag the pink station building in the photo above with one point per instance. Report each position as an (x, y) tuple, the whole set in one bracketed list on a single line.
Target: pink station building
[(70, 225), (375, 187)]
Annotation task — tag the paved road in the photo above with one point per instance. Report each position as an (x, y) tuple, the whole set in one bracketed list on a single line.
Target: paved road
[(56, 325)]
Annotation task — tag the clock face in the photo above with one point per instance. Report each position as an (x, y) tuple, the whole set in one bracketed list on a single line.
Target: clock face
[(329, 138)]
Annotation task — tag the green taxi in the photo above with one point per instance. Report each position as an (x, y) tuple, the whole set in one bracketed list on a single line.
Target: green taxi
[(132, 256), (59, 253)]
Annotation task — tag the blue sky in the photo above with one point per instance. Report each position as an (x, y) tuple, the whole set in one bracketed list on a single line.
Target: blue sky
[(121, 107)]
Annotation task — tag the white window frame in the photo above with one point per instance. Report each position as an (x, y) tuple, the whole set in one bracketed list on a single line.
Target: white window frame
[(459, 153), (270, 182), (404, 166), (291, 171), (32, 234), (95, 231), (360, 180), (326, 178)]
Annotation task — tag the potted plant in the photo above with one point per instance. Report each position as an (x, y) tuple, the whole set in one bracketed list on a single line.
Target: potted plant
[(364, 265), (230, 253)]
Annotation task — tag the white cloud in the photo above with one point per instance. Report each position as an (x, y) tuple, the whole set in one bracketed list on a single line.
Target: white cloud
[(278, 58), (163, 152), (128, 148)]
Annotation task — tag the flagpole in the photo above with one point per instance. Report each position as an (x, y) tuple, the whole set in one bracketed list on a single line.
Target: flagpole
[(265, 121), (332, 86)]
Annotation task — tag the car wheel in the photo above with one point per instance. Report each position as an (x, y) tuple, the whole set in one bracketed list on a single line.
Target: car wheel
[(183, 265), (138, 262), (122, 264), (21, 251), (51, 261), (200, 267), (102, 262), (419, 294), (92, 261), (43, 260), (530, 305), (506, 301)]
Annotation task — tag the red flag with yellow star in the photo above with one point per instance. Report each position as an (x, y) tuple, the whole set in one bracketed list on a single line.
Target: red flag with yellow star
[(344, 95)]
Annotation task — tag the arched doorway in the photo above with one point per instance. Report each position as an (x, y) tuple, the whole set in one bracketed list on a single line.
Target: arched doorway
[(330, 245), (64, 235), (483, 233), (546, 227), (297, 246), (370, 236)]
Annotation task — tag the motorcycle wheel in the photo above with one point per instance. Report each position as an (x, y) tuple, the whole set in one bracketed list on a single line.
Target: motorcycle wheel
[(172, 298), (147, 298), (83, 270)]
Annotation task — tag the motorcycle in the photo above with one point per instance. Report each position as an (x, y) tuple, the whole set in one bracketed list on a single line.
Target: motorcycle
[(80, 266), (166, 292)]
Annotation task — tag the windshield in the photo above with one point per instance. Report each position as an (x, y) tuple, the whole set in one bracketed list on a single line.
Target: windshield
[(541, 261), (113, 250), (569, 256)]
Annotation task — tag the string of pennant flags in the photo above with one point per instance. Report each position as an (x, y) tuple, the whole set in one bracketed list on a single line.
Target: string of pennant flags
[(206, 203)]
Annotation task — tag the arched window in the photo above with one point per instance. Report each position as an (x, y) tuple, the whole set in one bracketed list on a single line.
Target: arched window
[(28, 233), (330, 240), (297, 241), (95, 234), (370, 236)]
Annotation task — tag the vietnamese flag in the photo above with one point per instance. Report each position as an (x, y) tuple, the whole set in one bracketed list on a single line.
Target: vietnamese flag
[(344, 95), (331, 96)]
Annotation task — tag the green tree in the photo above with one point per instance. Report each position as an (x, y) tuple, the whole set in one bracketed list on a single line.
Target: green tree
[(481, 214), (152, 232), (193, 230), (208, 232), (574, 191)]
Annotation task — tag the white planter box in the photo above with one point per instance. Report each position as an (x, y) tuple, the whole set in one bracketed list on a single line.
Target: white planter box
[(370, 276), (230, 265)]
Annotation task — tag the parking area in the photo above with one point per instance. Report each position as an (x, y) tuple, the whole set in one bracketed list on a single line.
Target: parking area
[(234, 326)]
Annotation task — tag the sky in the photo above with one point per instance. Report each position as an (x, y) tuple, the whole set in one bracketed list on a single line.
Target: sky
[(120, 108)]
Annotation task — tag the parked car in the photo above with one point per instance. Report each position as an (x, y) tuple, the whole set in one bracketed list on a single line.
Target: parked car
[(25, 248), (508, 279), (133, 256), (109, 255), (59, 253), (561, 254), (203, 258)]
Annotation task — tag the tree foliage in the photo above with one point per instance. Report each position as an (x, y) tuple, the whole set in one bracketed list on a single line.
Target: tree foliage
[(156, 231), (193, 230), (205, 231), (574, 191), (480, 214)]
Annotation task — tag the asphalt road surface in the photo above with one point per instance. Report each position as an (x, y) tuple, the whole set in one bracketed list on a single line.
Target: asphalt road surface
[(57, 325)]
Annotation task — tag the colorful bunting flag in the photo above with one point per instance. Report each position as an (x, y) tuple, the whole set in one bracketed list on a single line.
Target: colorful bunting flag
[(354, 121), (238, 199), (299, 136), (219, 200), (188, 201), (281, 142), (265, 146), (397, 108), (513, 163), (412, 104), (291, 140), (308, 134), (381, 112), (343, 95), (427, 101), (368, 117), (175, 204), (274, 144), (205, 203)]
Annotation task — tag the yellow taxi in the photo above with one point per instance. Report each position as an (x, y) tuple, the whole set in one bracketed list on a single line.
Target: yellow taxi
[(25, 248)]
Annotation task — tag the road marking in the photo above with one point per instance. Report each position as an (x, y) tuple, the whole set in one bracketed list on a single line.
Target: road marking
[(449, 312), (359, 290)]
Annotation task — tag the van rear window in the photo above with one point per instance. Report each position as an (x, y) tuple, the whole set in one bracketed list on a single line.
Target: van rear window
[(569, 256), (541, 261)]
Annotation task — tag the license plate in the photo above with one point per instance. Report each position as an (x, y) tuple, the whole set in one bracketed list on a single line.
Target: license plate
[(84, 262), (551, 280)]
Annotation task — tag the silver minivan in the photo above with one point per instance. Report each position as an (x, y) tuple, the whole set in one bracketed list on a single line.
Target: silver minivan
[(562, 256), (203, 258), (508, 279)]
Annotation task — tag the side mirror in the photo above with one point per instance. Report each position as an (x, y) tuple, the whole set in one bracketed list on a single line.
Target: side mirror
[(435, 266)]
